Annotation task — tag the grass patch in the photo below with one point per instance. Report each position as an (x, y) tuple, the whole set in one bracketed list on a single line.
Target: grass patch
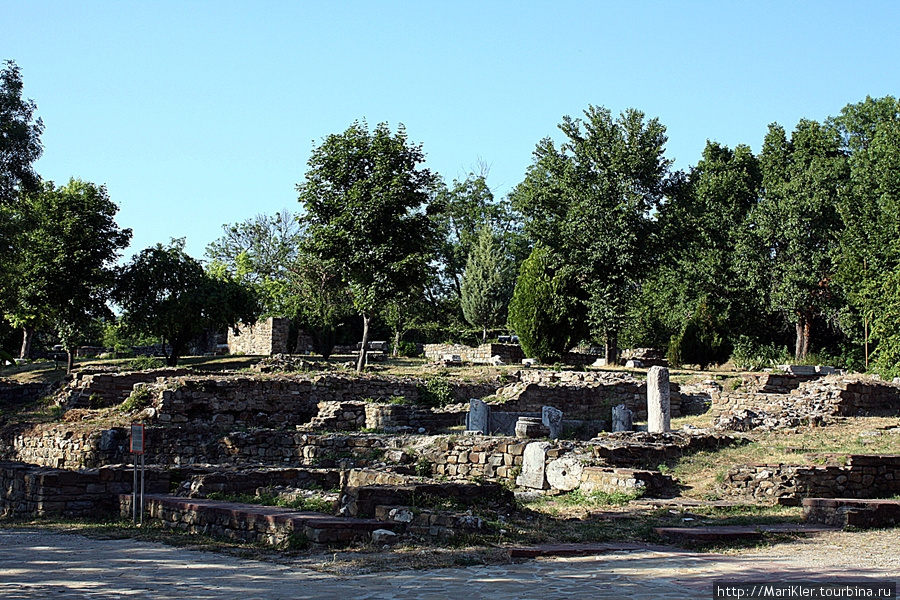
[(312, 504)]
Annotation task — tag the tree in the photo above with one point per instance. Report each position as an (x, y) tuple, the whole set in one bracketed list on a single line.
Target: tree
[(368, 209), (166, 293), (66, 249), (486, 284), (870, 210), (544, 311), (697, 275), (791, 235), (320, 300), (20, 136), (590, 203), (266, 246)]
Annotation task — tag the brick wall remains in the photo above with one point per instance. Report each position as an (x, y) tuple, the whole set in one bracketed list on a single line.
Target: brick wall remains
[(263, 338)]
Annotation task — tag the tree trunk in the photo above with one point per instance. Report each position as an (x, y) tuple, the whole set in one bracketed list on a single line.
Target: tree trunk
[(396, 350), (611, 350), (27, 336), (70, 361), (361, 363), (484, 334), (804, 331)]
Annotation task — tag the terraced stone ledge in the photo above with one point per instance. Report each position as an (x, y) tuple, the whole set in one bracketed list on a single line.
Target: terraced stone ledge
[(268, 525)]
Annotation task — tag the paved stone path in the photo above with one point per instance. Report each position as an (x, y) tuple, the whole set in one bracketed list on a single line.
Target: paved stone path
[(41, 564)]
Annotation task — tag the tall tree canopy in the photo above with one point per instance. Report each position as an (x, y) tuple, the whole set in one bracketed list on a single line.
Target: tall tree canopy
[(20, 136), (590, 201), (791, 235), (65, 254), (166, 293), (368, 208), (487, 283)]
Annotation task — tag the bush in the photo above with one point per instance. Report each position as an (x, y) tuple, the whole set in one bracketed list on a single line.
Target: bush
[(144, 363), (436, 392), (543, 311), (748, 355)]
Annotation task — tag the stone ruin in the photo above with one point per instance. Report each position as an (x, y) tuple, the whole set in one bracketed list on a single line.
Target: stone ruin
[(287, 435)]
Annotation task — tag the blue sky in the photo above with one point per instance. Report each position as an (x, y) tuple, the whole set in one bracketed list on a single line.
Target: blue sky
[(198, 114)]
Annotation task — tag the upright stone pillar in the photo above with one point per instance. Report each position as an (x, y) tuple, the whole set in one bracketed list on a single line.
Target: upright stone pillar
[(658, 409), (622, 418)]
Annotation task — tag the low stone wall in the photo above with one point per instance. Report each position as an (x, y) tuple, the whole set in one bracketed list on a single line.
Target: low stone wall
[(14, 392), (30, 490), (263, 338), (362, 501), (97, 389), (71, 446), (508, 353), (247, 481), (774, 383), (393, 418), (580, 395), (832, 395), (283, 401), (862, 476), (628, 481)]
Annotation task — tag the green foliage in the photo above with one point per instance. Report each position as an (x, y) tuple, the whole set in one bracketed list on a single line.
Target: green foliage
[(368, 210), (437, 392), (486, 284), (703, 340), (20, 140), (407, 349), (66, 245), (589, 203), (144, 363), (312, 503), (749, 355), (167, 293), (542, 311), (887, 329), (424, 467), (139, 399)]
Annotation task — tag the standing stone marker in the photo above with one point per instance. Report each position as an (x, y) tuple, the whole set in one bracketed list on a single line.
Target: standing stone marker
[(479, 416), (552, 419), (658, 408), (622, 418), (534, 466)]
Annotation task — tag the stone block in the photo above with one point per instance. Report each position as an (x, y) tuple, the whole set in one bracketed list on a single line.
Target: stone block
[(534, 466)]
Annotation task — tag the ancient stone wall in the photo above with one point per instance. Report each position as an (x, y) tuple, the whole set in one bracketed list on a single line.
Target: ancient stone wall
[(508, 353), (861, 476), (832, 395), (263, 338), (38, 491), (580, 395), (14, 392), (96, 389), (287, 401)]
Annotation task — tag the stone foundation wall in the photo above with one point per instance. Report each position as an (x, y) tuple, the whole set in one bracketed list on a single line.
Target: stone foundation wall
[(250, 480), (109, 388), (508, 353), (832, 395), (774, 383), (284, 401), (392, 418), (263, 338), (580, 395), (14, 392), (30, 490), (863, 476)]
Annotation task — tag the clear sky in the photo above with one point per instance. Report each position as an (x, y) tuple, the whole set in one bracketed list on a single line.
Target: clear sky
[(200, 113)]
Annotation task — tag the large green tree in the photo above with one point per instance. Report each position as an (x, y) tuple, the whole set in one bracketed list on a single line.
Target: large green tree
[(166, 293), (695, 284), (590, 202), (870, 210), (20, 136), (368, 208), (66, 248), (487, 283), (791, 235)]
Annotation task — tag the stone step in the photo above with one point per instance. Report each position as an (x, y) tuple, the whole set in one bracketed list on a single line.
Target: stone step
[(252, 522), (852, 512), (727, 533)]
